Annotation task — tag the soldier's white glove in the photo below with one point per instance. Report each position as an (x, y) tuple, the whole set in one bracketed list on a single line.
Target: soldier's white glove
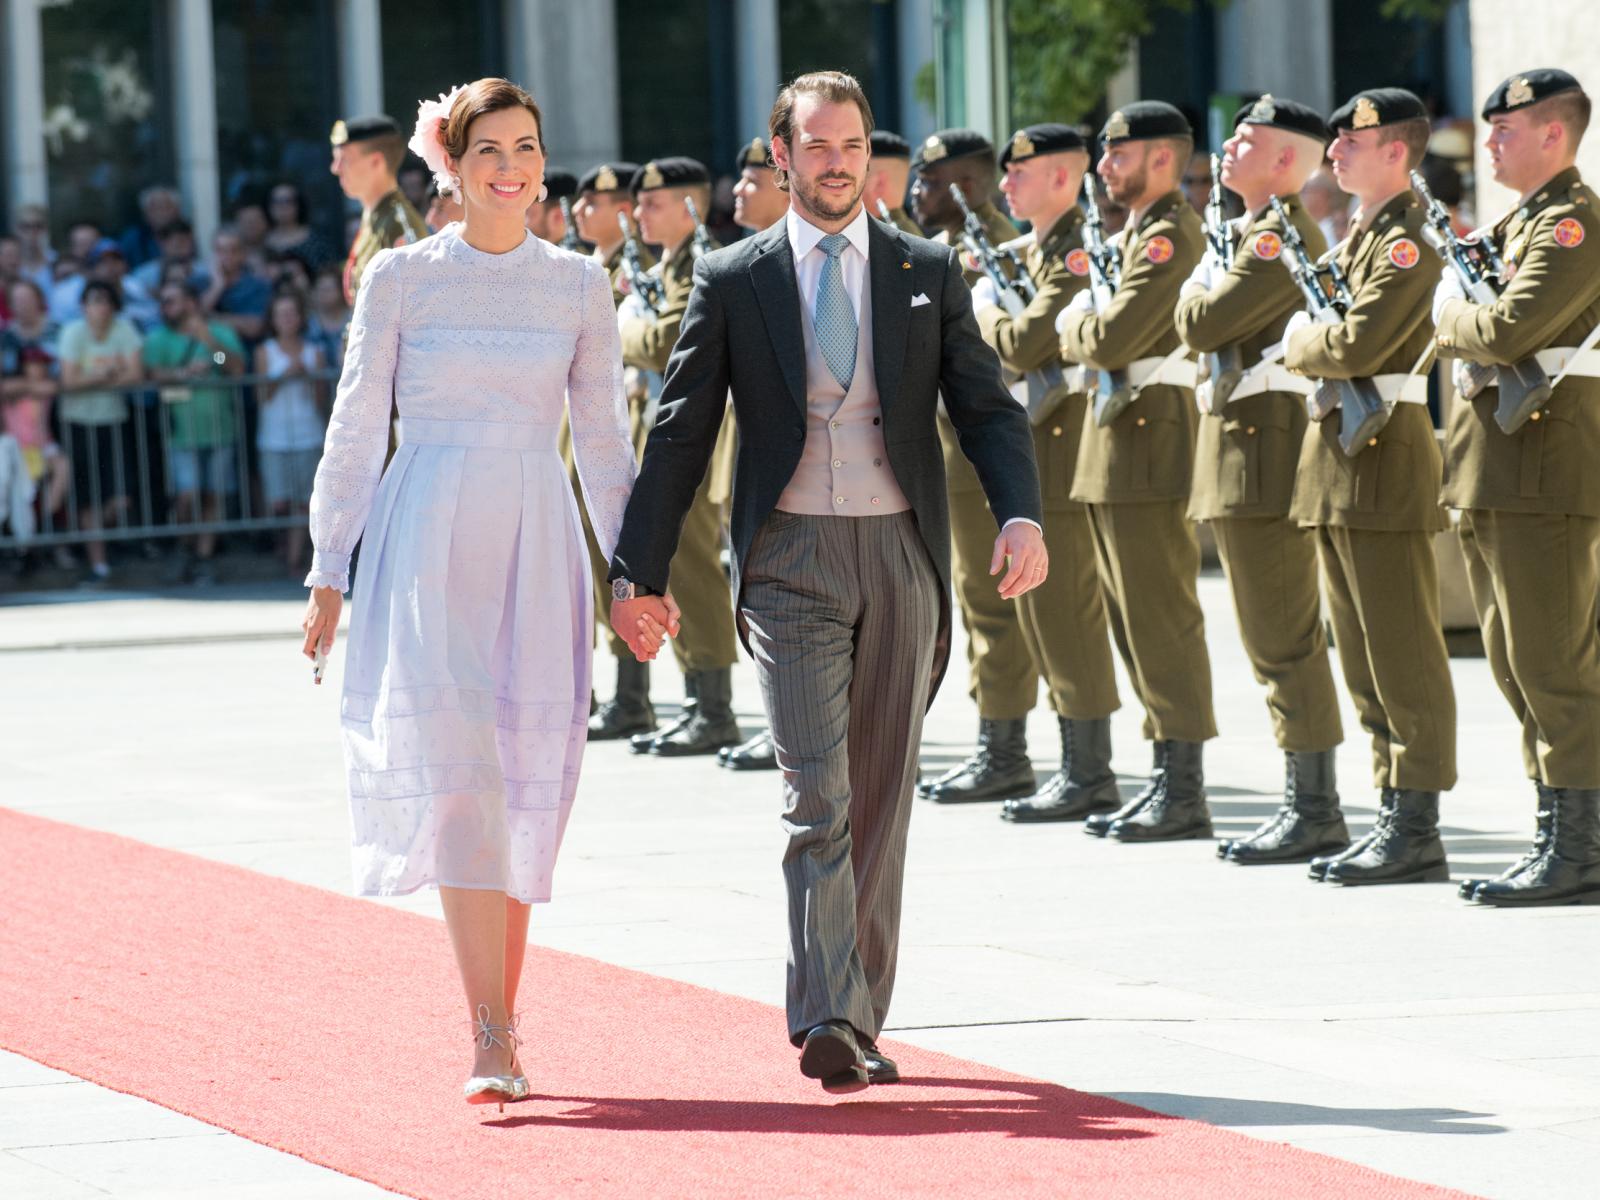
[(984, 295), (1082, 303), (632, 308), (1296, 323), (1205, 273), (1449, 289)]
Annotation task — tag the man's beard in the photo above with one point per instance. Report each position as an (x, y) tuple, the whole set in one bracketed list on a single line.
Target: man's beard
[(822, 203), (1131, 187)]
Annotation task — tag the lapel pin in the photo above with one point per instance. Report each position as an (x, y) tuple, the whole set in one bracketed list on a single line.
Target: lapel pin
[(905, 266)]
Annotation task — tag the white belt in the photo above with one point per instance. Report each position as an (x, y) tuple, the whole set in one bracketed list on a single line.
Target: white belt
[(1402, 389), (1271, 378), (1174, 369), (1572, 361)]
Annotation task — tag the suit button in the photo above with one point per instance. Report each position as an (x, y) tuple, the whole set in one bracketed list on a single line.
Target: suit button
[(877, 462), (838, 499), (1534, 416), (838, 462), (874, 499), (833, 425), (1251, 430), (1372, 441), (877, 420), (1056, 432), (1140, 421)]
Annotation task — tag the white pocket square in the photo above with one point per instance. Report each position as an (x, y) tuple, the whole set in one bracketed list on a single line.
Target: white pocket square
[(920, 299)]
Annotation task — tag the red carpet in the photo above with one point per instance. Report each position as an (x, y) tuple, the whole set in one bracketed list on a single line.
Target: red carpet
[(332, 1028)]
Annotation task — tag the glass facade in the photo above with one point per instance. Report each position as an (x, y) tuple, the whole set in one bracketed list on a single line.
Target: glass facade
[(107, 105), (429, 49), (668, 82), (277, 74)]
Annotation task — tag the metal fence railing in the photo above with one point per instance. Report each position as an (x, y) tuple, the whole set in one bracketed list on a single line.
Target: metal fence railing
[(179, 460)]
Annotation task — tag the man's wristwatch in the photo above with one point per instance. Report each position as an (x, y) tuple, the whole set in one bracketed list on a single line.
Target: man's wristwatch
[(626, 589)]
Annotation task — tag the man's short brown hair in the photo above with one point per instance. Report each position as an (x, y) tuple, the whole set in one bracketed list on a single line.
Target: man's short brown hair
[(1414, 132), (831, 87), (1572, 109)]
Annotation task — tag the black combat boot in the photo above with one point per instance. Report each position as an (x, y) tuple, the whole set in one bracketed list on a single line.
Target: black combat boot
[(629, 711), (1318, 870), (999, 770), (1085, 783), (1099, 824), (712, 726), (1406, 848), (642, 743), (1178, 809), (757, 754), (1568, 871), (1546, 814), (1309, 823)]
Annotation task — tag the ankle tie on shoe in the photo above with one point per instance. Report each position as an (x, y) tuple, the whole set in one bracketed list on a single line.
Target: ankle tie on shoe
[(484, 1033)]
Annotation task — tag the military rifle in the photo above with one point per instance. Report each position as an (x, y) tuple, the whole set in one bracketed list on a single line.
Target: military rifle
[(1012, 293), (640, 282), (1112, 393), (1328, 299), (884, 214), (1224, 368), (1524, 386), (569, 239), (702, 239)]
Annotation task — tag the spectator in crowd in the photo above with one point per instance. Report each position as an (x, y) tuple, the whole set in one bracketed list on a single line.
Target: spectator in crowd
[(250, 222), (291, 230), (443, 209), (1197, 180), (183, 350), (30, 325), (329, 316), (106, 263), (238, 297), (290, 431), (1327, 204), (81, 238), (177, 250), (288, 272), (66, 293), (412, 179), (159, 206), (99, 348), (28, 394), (32, 227), (10, 272)]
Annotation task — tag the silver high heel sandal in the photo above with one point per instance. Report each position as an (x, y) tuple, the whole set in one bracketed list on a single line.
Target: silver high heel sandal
[(497, 1089)]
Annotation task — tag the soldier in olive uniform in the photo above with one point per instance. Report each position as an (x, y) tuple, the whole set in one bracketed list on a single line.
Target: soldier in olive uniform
[(1003, 680), (1249, 443), (1375, 514), (888, 175), (1530, 498), (1063, 622), (545, 219), (602, 194), (707, 646), (367, 151), (1133, 470)]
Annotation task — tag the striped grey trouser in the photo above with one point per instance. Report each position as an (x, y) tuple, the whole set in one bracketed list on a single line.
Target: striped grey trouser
[(842, 615)]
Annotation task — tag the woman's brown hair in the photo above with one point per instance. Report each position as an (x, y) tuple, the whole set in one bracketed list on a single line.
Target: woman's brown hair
[(831, 87), (479, 98)]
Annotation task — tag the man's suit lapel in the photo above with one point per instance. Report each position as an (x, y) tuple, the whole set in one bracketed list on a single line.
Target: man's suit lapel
[(887, 261), (772, 274)]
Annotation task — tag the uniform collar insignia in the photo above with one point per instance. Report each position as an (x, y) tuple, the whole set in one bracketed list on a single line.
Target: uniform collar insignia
[(1366, 114)]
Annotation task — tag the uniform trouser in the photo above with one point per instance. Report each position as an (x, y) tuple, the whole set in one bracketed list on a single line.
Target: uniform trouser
[(1383, 601), (1003, 679), (843, 614), (1149, 564), (1271, 565), (1064, 622), (1536, 585)]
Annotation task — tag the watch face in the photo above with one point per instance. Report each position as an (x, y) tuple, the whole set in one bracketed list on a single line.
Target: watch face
[(621, 589)]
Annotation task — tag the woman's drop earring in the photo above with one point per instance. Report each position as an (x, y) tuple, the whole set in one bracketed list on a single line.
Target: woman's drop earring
[(544, 193), (455, 184)]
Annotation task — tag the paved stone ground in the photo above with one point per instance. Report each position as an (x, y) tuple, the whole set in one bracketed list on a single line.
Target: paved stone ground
[(1394, 1027)]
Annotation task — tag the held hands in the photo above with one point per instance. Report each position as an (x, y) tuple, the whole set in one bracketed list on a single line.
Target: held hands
[(1023, 544), (645, 622)]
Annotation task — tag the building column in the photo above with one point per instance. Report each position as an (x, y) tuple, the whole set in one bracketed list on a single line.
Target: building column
[(27, 164), (916, 51), (566, 55), (359, 23), (195, 115), (757, 64), (1285, 49)]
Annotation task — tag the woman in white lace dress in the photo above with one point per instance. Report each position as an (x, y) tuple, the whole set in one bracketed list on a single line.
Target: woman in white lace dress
[(466, 685)]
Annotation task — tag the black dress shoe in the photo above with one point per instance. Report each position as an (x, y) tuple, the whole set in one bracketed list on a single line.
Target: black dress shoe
[(831, 1054), (880, 1067), (757, 754)]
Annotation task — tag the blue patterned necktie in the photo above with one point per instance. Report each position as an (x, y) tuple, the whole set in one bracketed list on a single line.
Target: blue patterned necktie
[(835, 319)]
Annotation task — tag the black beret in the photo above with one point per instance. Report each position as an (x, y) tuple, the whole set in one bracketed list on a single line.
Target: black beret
[(752, 154), (1145, 119), (1290, 115), (1378, 106), (362, 129), (950, 144), (609, 177), (669, 172), (889, 145), (1047, 138), (560, 185), (1530, 87)]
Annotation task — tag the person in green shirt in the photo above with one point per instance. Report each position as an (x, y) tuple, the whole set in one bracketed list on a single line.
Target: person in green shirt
[(202, 422)]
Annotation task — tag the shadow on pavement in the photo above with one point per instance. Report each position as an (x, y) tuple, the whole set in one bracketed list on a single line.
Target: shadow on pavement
[(1234, 1112)]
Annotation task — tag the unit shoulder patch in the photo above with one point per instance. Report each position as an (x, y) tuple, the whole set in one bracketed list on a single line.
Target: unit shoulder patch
[(1158, 249), (1404, 254), (1078, 261), (1569, 232), (1268, 245)]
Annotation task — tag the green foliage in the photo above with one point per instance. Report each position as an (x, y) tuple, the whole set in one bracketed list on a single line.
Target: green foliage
[(1424, 10), (1063, 52)]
